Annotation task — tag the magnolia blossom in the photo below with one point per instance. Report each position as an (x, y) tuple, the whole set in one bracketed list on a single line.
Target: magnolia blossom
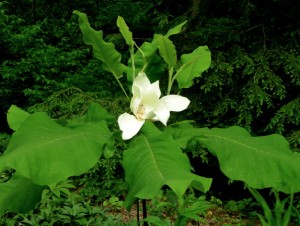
[(147, 104)]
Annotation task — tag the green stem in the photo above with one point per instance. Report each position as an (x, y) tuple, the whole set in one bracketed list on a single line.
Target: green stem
[(170, 82), (144, 58), (120, 84), (132, 61)]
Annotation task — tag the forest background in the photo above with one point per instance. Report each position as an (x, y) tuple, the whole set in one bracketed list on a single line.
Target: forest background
[(253, 80)]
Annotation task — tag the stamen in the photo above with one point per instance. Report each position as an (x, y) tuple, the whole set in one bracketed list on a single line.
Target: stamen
[(140, 113)]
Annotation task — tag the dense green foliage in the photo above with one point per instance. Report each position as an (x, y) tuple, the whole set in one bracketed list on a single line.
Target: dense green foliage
[(253, 80)]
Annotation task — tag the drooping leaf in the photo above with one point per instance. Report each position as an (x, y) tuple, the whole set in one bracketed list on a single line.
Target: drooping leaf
[(151, 162), (166, 49), (19, 194), (193, 65), (124, 29), (176, 30), (15, 117), (260, 162), (154, 64), (103, 51), (47, 152)]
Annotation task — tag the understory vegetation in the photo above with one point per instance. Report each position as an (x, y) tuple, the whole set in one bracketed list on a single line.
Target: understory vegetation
[(253, 82)]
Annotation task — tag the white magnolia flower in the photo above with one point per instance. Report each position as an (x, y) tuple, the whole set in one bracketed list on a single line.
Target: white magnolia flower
[(147, 104)]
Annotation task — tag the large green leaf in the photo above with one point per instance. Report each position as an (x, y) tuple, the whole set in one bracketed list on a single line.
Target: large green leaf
[(19, 194), (166, 49), (153, 161), (48, 153), (193, 64), (103, 51), (260, 162)]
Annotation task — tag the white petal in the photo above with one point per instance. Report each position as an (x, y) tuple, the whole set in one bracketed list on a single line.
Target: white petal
[(141, 86), (176, 102), (155, 89), (129, 125), (141, 82), (162, 113), (134, 103)]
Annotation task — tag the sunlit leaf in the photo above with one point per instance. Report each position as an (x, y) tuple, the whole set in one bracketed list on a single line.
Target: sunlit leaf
[(15, 117), (193, 65), (176, 30), (124, 29), (166, 49)]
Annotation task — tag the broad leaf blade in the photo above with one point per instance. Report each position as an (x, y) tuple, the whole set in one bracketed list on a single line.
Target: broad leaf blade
[(19, 194), (260, 162), (166, 49), (48, 153), (176, 30), (124, 29), (103, 51), (15, 117), (151, 162), (193, 65)]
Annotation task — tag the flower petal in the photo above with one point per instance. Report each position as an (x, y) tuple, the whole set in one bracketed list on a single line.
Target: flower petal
[(176, 102), (155, 89), (142, 87), (129, 125), (134, 103), (140, 83), (162, 113)]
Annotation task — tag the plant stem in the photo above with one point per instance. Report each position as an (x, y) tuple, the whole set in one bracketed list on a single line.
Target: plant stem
[(170, 82), (132, 61), (138, 212), (120, 84), (144, 211), (144, 58)]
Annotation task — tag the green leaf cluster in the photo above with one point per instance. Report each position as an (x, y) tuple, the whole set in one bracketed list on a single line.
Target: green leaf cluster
[(189, 67)]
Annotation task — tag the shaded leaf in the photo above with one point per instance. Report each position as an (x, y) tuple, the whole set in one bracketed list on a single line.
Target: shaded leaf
[(96, 113), (154, 64), (183, 133), (19, 194)]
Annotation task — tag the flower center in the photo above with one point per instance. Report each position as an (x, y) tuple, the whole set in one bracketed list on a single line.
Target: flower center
[(140, 113)]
